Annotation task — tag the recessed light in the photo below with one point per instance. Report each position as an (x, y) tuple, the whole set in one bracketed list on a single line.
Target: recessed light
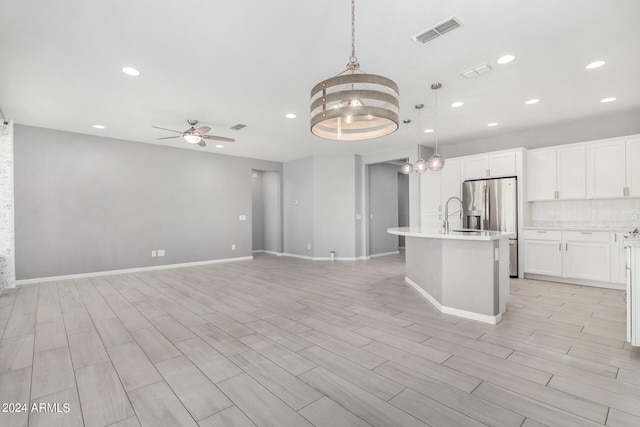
[(605, 100), (98, 126), (532, 101), (594, 64), (492, 124), (130, 71), (219, 146), (428, 130), (457, 104), (290, 116), (505, 59)]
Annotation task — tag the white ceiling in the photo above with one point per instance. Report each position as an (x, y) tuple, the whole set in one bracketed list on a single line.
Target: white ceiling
[(251, 62)]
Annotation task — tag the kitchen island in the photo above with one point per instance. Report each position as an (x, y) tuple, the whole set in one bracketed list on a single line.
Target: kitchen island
[(463, 273)]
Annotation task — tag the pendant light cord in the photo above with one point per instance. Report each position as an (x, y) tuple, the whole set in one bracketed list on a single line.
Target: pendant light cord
[(437, 130)]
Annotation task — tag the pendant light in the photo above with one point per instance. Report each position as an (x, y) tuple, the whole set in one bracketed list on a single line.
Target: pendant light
[(407, 168), (354, 105), (436, 162), (421, 165)]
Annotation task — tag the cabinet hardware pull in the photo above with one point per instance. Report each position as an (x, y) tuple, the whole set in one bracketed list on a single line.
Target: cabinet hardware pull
[(540, 231), (566, 246), (585, 232), (560, 246), (615, 237)]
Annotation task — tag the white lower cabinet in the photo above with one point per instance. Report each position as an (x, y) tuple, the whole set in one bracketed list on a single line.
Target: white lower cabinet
[(582, 255), (543, 257), (618, 259)]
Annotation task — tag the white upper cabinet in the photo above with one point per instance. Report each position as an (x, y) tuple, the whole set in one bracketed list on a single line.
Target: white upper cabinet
[(606, 169), (489, 165), (541, 174), (633, 166), (571, 172), (556, 173)]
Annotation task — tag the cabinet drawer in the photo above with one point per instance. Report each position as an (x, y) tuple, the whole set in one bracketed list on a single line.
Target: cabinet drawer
[(586, 236), (542, 235)]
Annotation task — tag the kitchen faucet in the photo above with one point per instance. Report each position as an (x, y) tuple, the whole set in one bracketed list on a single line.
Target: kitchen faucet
[(445, 223)]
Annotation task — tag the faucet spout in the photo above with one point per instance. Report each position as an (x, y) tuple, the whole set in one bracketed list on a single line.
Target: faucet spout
[(445, 223)]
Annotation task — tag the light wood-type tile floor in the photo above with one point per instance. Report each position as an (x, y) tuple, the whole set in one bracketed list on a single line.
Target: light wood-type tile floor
[(287, 342)]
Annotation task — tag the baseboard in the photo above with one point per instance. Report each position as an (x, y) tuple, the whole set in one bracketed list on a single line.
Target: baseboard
[(130, 270), (263, 251), (384, 254), (579, 282), (492, 320), (319, 258)]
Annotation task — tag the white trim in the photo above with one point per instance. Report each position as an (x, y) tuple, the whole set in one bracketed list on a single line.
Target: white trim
[(454, 311), (319, 258), (264, 251), (578, 282), (130, 270), (384, 254)]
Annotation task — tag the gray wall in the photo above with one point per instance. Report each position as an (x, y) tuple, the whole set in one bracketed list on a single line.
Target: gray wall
[(271, 209), (257, 218), (383, 207), (88, 204), (298, 206), (627, 123), (334, 209), (403, 204)]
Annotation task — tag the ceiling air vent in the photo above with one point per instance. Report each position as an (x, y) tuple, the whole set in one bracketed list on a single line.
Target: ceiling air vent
[(476, 71), (238, 126), (437, 30)]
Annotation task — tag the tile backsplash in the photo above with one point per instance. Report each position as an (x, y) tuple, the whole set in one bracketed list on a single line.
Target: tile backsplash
[(614, 213)]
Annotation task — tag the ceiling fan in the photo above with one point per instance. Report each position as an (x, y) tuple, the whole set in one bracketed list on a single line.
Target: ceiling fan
[(195, 136)]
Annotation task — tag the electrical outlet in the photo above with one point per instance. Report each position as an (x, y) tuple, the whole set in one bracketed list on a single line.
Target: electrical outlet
[(243, 217), (308, 245), (160, 252), (153, 253), (233, 247), (634, 216)]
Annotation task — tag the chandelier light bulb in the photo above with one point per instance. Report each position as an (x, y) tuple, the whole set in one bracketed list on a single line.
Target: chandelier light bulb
[(421, 166), (436, 162), (407, 168)]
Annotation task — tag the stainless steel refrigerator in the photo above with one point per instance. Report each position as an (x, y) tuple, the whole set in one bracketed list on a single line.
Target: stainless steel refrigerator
[(492, 204)]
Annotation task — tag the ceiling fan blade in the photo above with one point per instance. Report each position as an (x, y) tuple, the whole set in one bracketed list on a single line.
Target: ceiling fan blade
[(170, 130), (218, 138), (203, 129), (170, 137), (202, 143)]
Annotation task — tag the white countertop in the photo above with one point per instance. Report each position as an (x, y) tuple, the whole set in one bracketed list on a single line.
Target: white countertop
[(436, 233)]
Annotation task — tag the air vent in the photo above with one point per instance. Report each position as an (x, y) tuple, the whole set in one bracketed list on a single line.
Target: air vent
[(437, 30), (476, 71), (238, 126)]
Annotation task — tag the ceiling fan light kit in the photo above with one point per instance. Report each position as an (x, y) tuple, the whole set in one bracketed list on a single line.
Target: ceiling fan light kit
[(353, 105), (195, 136)]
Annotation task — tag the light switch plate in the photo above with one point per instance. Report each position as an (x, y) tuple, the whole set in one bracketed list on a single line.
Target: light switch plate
[(243, 217), (153, 253), (358, 217), (160, 252), (233, 247)]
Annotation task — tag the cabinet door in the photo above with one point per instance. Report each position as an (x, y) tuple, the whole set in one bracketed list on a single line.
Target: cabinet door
[(541, 175), (586, 260), (474, 168), (618, 260), (633, 166), (451, 186), (543, 257), (606, 169), (503, 164), (571, 172)]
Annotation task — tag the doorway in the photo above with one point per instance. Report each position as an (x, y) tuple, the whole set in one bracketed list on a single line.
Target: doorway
[(388, 206), (266, 212)]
